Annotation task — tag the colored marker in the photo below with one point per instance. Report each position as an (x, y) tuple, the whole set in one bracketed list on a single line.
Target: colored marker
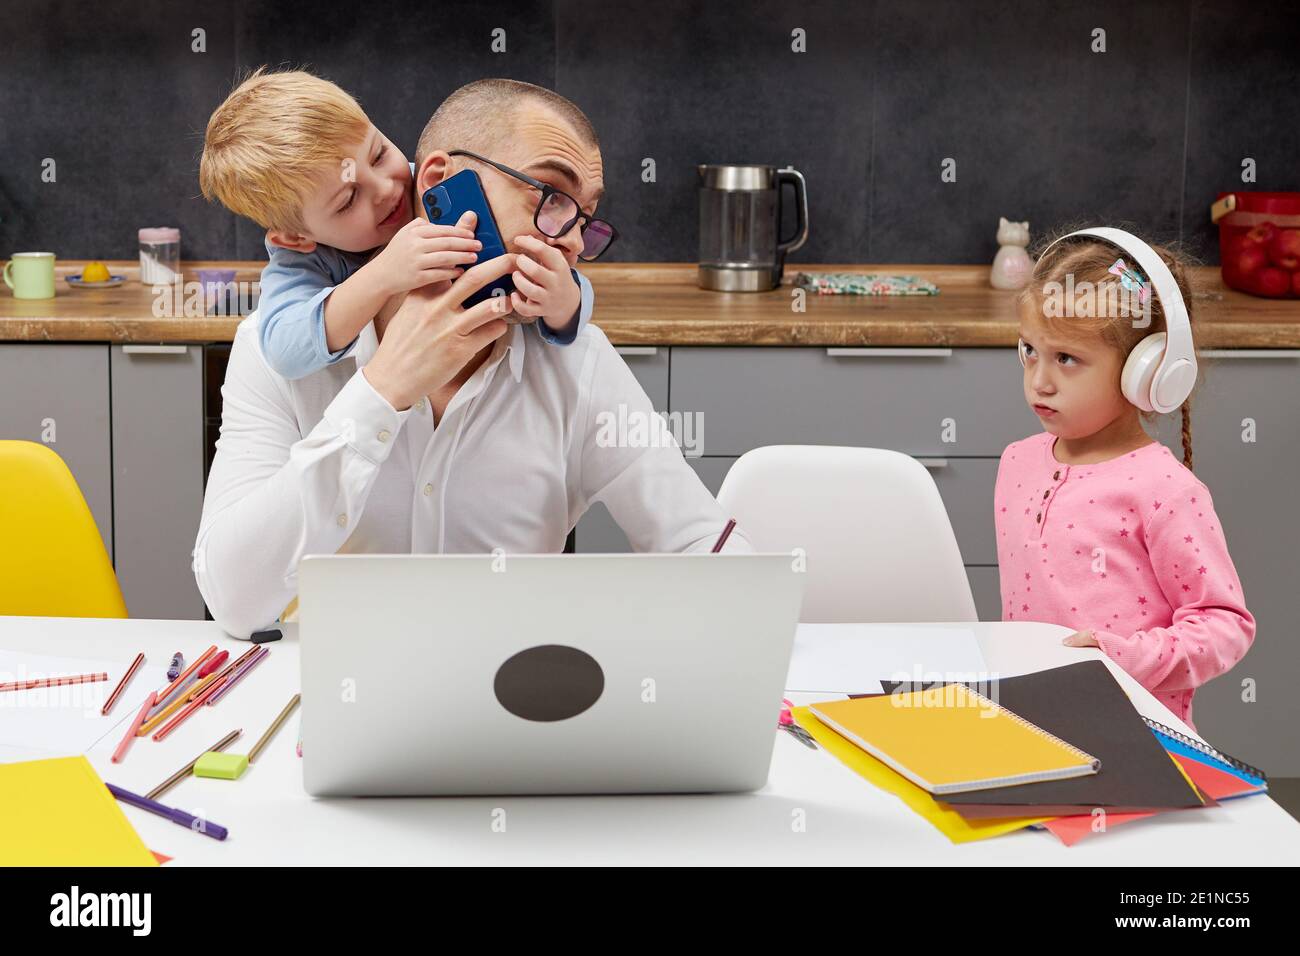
[(179, 817), (120, 752), (121, 685)]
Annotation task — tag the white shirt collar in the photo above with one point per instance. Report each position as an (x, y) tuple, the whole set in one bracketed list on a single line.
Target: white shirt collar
[(517, 353)]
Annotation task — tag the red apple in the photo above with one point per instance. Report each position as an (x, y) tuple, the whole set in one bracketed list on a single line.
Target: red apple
[(1249, 261), (1234, 243), (1262, 234), (1272, 281), (1284, 249)]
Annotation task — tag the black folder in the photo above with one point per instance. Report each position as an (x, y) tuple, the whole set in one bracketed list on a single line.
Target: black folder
[(1085, 706)]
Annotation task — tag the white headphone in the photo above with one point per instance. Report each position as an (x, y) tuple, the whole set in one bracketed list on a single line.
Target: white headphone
[(1160, 372)]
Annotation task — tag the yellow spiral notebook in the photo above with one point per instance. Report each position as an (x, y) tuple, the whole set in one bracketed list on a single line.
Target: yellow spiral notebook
[(953, 739)]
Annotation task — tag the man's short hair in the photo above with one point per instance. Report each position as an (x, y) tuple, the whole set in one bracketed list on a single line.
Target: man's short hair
[(480, 117), (271, 138)]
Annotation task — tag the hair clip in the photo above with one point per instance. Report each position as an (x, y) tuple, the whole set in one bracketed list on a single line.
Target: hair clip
[(1130, 280)]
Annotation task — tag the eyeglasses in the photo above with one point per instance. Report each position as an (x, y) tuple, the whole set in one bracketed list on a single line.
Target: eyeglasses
[(557, 212)]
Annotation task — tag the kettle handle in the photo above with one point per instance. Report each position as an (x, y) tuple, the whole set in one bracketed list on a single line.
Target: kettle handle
[(795, 178)]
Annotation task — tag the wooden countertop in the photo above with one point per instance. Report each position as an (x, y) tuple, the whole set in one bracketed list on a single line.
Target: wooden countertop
[(660, 304)]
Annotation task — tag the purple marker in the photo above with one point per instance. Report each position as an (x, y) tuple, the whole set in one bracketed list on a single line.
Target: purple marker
[(174, 669), (235, 677), (179, 817)]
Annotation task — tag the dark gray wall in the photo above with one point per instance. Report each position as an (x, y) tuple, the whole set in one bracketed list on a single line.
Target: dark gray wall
[(1041, 128)]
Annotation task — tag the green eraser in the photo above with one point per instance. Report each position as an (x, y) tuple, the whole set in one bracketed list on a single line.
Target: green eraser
[(214, 763)]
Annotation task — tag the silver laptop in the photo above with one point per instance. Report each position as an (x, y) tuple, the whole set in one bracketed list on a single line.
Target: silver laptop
[(481, 674)]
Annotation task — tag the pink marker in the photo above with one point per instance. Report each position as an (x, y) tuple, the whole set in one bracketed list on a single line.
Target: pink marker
[(120, 752)]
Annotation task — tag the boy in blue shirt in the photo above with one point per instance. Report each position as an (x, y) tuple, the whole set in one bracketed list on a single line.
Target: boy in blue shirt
[(298, 156)]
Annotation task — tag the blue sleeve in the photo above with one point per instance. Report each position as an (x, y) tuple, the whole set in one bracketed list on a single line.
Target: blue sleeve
[(291, 308), (584, 313)]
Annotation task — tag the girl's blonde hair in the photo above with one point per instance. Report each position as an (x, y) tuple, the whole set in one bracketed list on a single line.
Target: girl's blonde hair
[(271, 137), (1118, 324)]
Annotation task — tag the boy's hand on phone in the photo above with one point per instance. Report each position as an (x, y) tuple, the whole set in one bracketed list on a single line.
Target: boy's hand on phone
[(544, 286), (422, 254)]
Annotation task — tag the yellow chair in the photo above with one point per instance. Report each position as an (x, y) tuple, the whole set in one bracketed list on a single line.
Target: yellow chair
[(52, 559)]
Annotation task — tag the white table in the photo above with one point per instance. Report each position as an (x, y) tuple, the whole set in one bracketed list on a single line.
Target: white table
[(273, 821)]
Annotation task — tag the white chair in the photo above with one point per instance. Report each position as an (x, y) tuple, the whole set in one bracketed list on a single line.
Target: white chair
[(878, 542)]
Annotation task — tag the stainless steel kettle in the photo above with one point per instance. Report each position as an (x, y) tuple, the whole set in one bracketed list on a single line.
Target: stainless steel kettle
[(740, 220)]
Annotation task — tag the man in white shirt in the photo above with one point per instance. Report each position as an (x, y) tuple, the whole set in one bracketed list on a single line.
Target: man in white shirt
[(448, 430)]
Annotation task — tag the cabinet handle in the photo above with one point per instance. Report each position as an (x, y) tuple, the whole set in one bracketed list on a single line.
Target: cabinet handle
[(1250, 353), (156, 349), (888, 353), (934, 462), (637, 349)]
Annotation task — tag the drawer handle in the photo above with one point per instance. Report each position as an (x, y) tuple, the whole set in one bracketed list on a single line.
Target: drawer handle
[(934, 462), (156, 349), (888, 353), (637, 349), (1250, 353)]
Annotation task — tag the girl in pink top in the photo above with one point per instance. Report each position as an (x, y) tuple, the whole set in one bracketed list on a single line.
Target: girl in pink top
[(1100, 528)]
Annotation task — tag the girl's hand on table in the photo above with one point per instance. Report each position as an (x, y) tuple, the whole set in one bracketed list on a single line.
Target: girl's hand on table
[(1080, 639)]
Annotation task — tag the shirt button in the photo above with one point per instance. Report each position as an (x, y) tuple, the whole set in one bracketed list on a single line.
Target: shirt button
[(383, 434), (343, 521), (428, 490), (1045, 494), (420, 405), (1039, 519), (1056, 476)]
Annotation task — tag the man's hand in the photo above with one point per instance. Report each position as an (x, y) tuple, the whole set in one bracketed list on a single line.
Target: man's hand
[(544, 285), (422, 254), (431, 338)]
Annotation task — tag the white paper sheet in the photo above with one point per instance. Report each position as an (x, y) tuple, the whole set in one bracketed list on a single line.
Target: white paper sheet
[(65, 721), (855, 658)]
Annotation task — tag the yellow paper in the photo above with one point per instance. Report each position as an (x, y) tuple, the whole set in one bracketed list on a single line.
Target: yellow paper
[(948, 822), (59, 813)]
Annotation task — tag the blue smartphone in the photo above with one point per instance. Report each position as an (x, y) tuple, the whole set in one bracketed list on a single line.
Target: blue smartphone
[(446, 202)]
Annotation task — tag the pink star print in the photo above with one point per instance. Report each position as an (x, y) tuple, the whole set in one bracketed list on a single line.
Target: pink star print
[(1202, 569), (1187, 538), (1142, 600), (1123, 532)]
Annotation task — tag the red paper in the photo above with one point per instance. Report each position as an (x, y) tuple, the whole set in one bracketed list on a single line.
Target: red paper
[(1211, 781)]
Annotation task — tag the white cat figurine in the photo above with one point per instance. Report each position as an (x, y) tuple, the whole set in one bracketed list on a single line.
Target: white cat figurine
[(1012, 265)]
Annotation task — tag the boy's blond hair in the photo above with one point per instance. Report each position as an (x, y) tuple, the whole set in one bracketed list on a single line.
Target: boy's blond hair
[(270, 139)]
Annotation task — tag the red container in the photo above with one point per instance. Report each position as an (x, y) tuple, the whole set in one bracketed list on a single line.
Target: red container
[(1259, 242)]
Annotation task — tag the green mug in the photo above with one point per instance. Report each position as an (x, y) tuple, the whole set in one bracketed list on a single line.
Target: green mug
[(33, 275)]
